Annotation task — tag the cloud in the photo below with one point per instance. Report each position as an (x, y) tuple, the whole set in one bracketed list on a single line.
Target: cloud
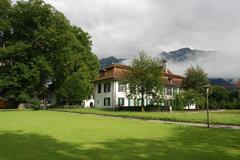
[(216, 65), (123, 27)]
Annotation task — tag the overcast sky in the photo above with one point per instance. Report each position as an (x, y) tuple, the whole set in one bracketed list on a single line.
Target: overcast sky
[(123, 27)]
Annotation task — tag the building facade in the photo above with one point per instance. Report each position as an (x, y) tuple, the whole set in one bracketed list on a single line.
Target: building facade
[(110, 92)]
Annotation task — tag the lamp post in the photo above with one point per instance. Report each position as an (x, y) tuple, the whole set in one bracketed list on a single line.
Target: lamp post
[(207, 91)]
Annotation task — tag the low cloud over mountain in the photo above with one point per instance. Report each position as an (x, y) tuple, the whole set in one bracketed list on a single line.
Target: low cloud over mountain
[(185, 54), (215, 63)]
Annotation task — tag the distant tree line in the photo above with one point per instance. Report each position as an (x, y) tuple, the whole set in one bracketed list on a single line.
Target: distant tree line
[(194, 93), (42, 55), (221, 98)]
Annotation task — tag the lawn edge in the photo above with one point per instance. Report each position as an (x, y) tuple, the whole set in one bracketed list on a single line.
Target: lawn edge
[(144, 118)]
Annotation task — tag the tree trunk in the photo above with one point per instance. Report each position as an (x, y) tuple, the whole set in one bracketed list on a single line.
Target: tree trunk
[(142, 103)]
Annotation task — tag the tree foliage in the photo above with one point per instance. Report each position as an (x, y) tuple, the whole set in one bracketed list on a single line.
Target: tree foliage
[(195, 79), (146, 76), (40, 49), (194, 92), (218, 96), (187, 98), (75, 88)]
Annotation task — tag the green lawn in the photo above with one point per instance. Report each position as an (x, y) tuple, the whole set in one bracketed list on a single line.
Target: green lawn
[(221, 117), (45, 135)]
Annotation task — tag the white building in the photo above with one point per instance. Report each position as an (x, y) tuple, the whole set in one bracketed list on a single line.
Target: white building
[(110, 92), (88, 103)]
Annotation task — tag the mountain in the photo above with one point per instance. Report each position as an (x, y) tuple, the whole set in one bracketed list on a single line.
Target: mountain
[(185, 54), (104, 62), (229, 84), (221, 81)]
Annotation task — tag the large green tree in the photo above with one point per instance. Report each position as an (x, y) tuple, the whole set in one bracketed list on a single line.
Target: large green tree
[(75, 88), (145, 77), (40, 50), (195, 79), (5, 7)]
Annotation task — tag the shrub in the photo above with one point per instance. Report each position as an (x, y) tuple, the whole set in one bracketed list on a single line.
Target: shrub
[(178, 103), (65, 106), (36, 104), (149, 108), (232, 105), (23, 98)]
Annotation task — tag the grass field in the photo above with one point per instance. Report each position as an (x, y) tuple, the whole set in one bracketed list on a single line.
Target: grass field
[(43, 135), (221, 117)]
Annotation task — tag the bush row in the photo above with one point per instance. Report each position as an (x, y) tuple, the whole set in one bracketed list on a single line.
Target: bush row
[(232, 105), (139, 108)]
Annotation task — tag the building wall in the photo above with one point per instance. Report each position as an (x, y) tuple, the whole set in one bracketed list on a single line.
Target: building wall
[(191, 106), (115, 94), (171, 82), (99, 97), (88, 102), (128, 101), (120, 95)]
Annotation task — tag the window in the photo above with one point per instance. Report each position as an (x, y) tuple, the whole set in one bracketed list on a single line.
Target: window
[(121, 101), (139, 102), (99, 88), (107, 87), (135, 102), (149, 101), (175, 91), (169, 91), (129, 102), (106, 101), (121, 87)]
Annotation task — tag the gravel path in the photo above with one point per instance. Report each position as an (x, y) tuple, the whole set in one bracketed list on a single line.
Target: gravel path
[(197, 124), (170, 122)]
